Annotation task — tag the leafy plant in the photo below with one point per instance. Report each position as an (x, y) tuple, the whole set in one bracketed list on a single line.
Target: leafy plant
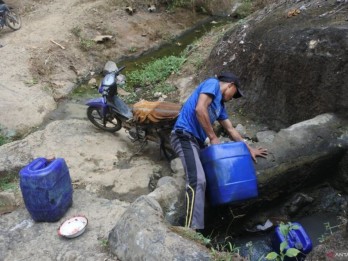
[(151, 77), (290, 252)]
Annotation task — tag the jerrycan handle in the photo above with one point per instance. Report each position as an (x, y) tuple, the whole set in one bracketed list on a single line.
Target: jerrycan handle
[(40, 163)]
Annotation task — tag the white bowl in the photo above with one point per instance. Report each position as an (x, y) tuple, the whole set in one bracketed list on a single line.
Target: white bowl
[(73, 227)]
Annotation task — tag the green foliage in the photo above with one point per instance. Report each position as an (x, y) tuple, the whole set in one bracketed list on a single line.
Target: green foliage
[(154, 72), (86, 44), (164, 88), (76, 31), (131, 98), (104, 243), (151, 77), (32, 82), (226, 252), (245, 9), (180, 3), (191, 235), (132, 49), (3, 140), (9, 181), (290, 252)]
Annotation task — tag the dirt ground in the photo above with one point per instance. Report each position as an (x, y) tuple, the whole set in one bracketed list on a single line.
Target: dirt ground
[(56, 48)]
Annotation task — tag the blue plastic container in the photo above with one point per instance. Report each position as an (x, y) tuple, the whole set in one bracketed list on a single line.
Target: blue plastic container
[(297, 238), (229, 172), (46, 188)]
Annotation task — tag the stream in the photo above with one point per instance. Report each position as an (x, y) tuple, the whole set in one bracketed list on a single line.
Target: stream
[(319, 217), (317, 226)]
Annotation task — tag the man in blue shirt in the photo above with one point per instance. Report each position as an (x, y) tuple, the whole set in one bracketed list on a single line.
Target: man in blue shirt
[(193, 126)]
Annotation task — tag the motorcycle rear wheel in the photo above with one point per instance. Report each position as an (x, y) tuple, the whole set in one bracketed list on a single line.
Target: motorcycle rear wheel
[(112, 123), (13, 20)]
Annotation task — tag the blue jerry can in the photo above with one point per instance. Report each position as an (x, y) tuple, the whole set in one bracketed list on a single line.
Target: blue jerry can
[(46, 188), (230, 173), (297, 238)]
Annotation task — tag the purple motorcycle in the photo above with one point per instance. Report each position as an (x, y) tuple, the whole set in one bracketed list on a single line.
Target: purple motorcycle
[(110, 113), (9, 18)]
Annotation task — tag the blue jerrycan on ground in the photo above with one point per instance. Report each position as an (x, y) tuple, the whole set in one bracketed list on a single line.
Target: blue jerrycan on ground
[(297, 238), (46, 188), (230, 173)]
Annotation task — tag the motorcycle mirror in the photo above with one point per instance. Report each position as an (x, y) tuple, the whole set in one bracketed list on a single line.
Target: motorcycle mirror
[(110, 67)]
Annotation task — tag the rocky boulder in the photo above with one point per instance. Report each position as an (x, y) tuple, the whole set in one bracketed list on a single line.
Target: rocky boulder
[(292, 60), (304, 153), (142, 234)]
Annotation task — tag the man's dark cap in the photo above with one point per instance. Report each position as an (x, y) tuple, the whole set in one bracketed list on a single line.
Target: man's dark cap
[(230, 77)]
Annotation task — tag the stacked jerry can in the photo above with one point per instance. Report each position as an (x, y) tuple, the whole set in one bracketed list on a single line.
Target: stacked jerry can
[(296, 238), (46, 188)]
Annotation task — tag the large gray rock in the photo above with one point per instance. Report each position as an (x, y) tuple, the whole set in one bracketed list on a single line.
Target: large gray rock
[(291, 68), (303, 153), (142, 234)]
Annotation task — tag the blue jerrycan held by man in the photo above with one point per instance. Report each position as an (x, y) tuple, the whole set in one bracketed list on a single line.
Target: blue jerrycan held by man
[(46, 188), (230, 173)]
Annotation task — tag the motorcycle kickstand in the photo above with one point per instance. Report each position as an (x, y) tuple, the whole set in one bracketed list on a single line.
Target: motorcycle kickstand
[(142, 145), (163, 150)]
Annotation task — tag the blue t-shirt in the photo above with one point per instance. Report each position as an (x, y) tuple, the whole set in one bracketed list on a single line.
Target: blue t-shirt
[(187, 119)]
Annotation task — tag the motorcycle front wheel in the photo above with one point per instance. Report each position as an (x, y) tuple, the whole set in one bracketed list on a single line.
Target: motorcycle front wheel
[(111, 123), (13, 20)]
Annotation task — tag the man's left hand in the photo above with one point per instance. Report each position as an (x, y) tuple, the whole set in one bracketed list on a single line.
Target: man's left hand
[(259, 152)]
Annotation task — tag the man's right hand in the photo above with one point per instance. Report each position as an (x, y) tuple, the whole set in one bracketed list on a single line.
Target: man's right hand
[(215, 140)]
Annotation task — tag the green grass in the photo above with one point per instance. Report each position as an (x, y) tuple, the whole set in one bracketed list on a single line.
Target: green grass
[(152, 76), (245, 9), (3, 140), (87, 44), (9, 181), (155, 72)]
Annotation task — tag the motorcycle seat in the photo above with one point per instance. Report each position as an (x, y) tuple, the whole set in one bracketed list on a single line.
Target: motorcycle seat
[(155, 112)]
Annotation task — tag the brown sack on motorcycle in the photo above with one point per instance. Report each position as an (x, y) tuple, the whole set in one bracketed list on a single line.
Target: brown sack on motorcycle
[(154, 112)]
